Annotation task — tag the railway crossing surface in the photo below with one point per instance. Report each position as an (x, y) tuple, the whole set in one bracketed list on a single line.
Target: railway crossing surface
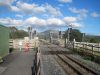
[(60, 61)]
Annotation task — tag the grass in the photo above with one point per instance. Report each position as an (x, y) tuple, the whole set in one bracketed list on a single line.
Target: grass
[(92, 57), (1, 60)]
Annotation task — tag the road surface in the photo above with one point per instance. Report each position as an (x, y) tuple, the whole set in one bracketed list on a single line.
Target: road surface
[(18, 63)]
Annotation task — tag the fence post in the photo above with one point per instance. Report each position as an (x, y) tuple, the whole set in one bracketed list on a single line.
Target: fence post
[(73, 45), (98, 46), (83, 47), (65, 42), (92, 49), (77, 48), (92, 53)]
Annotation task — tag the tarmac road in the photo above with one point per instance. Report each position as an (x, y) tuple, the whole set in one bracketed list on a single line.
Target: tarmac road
[(18, 63)]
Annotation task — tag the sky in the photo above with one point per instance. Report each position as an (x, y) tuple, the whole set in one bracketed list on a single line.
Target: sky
[(52, 14)]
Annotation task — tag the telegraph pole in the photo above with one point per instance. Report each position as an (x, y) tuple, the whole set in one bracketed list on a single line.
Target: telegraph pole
[(50, 37), (68, 35)]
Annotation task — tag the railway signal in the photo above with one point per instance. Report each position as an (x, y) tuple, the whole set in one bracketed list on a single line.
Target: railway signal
[(30, 32)]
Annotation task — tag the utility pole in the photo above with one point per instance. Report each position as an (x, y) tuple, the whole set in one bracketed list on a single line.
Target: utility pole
[(50, 37), (68, 33), (59, 34), (68, 38), (34, 33)]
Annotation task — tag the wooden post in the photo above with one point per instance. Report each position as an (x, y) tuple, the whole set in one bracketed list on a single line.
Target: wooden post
[(92, 49), (92, 53), (65, 42), (73, 45), (98, 46)]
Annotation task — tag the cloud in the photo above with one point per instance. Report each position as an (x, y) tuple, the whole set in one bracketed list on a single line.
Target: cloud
[(94, 14), (22, 7), (44, 22), (80, 12), (75, 25), (7, 1), (11, 22), (19, 16), (38, 22), (35, 21), (69, 19), (35, 8), (39, 9), (15, 9), (72, 22), (55, 22), (25, 7), (7, 5), (65, 1), (30, 9), (53, 11), (4, 7)]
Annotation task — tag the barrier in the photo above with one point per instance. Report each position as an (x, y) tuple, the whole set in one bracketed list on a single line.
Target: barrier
[(36, 64)]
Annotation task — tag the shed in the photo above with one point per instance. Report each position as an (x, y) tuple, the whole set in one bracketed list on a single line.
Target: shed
[(4, 41)]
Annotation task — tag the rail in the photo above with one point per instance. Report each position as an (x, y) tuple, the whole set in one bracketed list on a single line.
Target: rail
[(77, 67)]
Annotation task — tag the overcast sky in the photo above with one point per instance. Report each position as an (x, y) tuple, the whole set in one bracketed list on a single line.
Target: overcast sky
[(52, 14)]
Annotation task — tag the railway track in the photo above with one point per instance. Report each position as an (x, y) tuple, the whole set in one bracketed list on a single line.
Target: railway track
[(73, 66)]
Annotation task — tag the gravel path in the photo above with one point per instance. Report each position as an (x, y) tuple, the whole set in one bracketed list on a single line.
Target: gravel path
[(49, 65)]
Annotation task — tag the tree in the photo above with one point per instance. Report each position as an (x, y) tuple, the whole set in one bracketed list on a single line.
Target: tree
[(73, 34), (12, 31), (15, 33), (93, 40), (20, 34)]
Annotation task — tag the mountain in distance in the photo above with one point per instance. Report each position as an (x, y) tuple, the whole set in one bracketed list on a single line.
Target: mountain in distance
[(46, 34), (95, 37), (55, 34)]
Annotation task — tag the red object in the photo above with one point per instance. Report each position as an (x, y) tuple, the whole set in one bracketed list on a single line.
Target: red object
[(26, 47)]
